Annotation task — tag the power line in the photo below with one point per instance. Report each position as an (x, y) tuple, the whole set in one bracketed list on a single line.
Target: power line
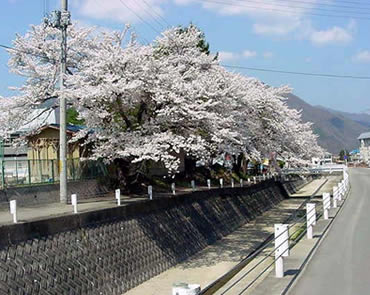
[(284, 11), (305, 7), (148, 12), (138, 36), (138, 16), (26, 52), (319, 4), (351, 2), (162, 18), (298, 73)]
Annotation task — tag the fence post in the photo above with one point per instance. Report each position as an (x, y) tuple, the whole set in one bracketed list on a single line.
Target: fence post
[(118, 196), (74, 203), (281, 248), (173, 188), (193, 185), (326, 204), (335, 197), (29, 171), (150, 192), (52, 170), (13, 210), (241, 182), (16, 170), (2, 174), (339, 191), (311, 219)]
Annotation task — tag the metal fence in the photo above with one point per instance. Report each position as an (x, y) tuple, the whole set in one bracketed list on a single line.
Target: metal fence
[(29, 172)]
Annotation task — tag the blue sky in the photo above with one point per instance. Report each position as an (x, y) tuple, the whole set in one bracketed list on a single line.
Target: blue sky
[(272, 34)]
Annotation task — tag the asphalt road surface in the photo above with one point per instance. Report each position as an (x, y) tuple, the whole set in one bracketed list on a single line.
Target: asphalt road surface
[(341, 264)]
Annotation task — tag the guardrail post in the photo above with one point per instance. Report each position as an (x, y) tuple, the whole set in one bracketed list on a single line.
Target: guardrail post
[(118, 196), (13, 210), (326, 204), (150, 192), (335, 197), (193, 185), (241, 182), (173, 188), (209, 183), (232, 182), (254, 180), (281, 248), (340, 191), (74, 203), (311, 219), (221, 182)]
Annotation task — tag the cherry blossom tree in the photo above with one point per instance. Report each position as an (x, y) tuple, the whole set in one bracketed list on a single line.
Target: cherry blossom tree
[(151, 102)]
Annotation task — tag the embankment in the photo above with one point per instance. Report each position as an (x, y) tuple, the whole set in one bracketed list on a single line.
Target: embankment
[(112, 250)]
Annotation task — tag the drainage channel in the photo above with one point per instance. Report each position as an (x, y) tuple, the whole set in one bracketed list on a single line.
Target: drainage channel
[(220, 282)]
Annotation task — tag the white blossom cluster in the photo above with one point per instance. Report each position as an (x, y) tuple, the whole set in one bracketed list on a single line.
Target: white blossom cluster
[(149, 102)]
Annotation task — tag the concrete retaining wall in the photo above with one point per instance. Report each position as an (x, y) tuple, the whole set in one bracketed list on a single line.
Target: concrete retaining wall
[(112, 250)]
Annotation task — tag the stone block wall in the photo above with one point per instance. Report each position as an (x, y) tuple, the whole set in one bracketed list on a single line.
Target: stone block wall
[(128, 247), (295, 183)]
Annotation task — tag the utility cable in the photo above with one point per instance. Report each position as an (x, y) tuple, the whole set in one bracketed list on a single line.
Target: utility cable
[(298, 73), (313, 6), (156, 13), (139, 17), (149, 13), (282, 10)]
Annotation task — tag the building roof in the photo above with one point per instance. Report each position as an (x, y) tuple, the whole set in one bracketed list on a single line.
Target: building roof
[(354, 152), (364, 135), (71, 129)]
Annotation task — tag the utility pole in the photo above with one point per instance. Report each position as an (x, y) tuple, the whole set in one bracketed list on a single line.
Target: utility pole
[(64, 22), (61, 20)]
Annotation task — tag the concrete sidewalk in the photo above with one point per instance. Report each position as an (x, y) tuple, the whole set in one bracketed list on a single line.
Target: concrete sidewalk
[(219, 258), (43, 211), (309, 189)]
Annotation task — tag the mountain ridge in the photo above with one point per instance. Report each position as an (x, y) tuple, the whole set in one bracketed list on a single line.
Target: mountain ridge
[(337, 130)]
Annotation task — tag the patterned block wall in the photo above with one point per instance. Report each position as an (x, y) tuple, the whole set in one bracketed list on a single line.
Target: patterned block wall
[(113, 257)]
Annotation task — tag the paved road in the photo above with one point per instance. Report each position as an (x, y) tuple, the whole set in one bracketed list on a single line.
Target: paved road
[(341, 265)]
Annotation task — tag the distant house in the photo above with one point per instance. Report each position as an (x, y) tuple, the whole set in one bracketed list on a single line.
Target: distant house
[(364, 139), (355, 155), (43, 152)]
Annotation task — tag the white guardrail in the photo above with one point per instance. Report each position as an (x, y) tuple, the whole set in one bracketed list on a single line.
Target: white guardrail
[(329, 168), (282, 237)]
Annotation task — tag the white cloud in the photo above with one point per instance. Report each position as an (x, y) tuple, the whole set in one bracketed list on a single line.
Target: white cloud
[(115, 10), (267, 54), (227, 56), (363, 56), (249, 54), (278, 29), (334, 35)]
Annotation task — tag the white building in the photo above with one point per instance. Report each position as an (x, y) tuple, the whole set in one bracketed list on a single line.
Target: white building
[(364, 139)]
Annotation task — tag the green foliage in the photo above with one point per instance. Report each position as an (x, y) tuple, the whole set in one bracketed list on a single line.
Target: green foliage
[(72, 117)]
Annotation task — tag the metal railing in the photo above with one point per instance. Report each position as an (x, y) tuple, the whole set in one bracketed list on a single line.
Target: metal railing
[(31, 172)]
